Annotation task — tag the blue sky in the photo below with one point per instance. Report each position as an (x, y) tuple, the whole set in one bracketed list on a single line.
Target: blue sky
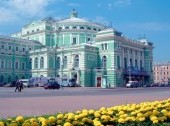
[(149, 18)]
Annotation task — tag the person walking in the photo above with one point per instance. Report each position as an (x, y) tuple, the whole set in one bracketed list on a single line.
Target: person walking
[(20, 86), (17, 86)]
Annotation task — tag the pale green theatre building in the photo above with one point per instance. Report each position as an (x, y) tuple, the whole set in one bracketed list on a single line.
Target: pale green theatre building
[(96, 55)]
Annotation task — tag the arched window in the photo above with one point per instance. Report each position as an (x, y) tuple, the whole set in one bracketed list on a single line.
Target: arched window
[(65, 62), (125, 63), (67, 27), (59, 28), (1, 78), (42, 62), (141, 65), (81, 27), (36, 63), (76, 61), (136, 63), (58, 63), (88, 28), (104, 61), (30, 63), (131, 62), (118, 62), (74, 27), (94, 29)]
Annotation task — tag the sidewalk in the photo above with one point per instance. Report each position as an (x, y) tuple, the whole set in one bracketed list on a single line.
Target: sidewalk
[(36, 106)]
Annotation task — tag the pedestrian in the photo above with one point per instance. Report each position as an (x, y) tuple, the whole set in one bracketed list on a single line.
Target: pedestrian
[(20, 86), (17, 86)]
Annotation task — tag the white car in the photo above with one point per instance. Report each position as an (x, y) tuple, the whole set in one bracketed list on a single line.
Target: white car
[(132, 84)]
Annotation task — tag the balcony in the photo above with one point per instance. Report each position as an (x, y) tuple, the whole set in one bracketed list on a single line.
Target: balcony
[(134, 72)]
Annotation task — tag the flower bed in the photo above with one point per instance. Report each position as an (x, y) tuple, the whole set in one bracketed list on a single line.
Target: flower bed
[(155, 113)]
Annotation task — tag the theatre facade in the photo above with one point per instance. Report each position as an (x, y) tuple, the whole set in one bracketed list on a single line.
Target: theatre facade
[(93, 54)]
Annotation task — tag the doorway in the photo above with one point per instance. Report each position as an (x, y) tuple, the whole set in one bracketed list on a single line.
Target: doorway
[(99, 81)]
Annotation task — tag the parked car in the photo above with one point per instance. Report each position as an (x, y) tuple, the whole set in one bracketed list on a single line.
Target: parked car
[(155, 85), (2, 84), (146, 85), (163, 85), (52, 84), (132, 84)]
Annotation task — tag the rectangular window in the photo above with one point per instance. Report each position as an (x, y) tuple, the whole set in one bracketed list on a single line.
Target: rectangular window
[(2, 64), (16, 65), (16, 48), (9, 47), (9, 65), (23, 66), (2, 47), (105, 46), (23, 49), (74, 41), (102, 47)]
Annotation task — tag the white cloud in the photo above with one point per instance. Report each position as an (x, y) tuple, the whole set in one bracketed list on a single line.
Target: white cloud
[(122, 3), (6, 15), (11, 10)]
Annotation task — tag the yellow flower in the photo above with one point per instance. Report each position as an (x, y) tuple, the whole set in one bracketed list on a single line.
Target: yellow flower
[(60, 116), (20, 119), (52, 119), (44, 122), (97, 123), (84, 111), (59, 122), (33, 120), (34, 124), (139, 115), (142, 119), (1, 123), (75, 123), (121, 120), (26, 124), (121, 112), (85, 120), (97, 114), (152, 118), (91, 111), (67, 124), (70, 116), (155, 112), (13, 124), (155, 121)]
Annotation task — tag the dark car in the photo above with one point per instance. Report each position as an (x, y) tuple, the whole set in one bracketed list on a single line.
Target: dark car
[(52, 84), (147, 85), (155, 85)]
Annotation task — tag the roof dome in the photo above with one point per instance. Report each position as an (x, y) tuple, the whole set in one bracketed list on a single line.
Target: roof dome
[(76, 21)]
